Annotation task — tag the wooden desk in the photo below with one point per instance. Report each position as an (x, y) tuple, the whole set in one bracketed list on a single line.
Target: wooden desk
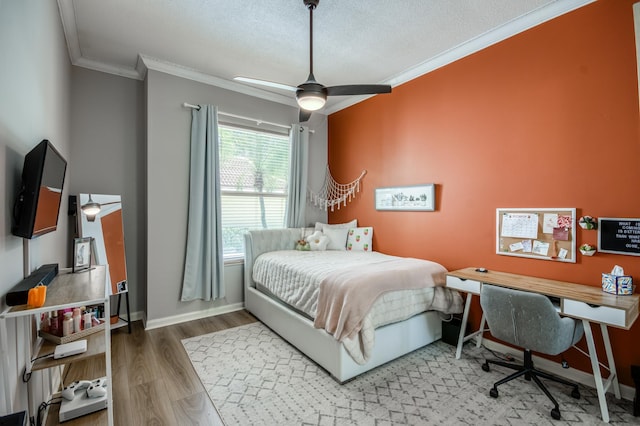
[(586, 303)]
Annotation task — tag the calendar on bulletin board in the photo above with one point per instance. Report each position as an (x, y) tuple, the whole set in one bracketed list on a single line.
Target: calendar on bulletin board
[(542, 233)]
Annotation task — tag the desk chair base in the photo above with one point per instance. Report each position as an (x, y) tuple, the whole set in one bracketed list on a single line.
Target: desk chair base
[(530, 372)]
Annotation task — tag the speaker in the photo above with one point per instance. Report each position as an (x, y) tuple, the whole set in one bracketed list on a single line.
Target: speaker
[(451, 331), (19, 294)]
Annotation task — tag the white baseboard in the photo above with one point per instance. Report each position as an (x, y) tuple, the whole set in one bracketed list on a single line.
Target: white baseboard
[(572, 374), (177, 319)]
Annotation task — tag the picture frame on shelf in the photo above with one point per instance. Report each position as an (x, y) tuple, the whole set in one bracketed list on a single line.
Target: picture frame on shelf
[(406, 198), (81, 254)]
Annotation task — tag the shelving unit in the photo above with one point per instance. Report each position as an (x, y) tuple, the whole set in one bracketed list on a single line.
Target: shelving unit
[(67, 290)]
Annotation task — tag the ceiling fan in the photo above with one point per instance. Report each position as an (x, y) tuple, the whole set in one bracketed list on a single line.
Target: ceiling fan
[(311, 95)]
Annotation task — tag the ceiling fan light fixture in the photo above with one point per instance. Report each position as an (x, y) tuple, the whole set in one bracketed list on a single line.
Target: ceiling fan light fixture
[(311, 101), (91, 208)]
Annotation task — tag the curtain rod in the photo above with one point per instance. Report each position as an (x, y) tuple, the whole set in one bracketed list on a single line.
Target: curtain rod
[(188, 105)]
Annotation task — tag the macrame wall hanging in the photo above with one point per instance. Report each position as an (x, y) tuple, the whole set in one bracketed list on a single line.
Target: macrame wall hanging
[(334, 194)]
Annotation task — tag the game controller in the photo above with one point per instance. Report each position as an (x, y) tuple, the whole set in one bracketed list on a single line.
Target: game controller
[(69, 392), (95, 388)]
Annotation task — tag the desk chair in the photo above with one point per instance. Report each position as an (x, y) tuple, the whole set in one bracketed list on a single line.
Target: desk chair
[(530, 321)]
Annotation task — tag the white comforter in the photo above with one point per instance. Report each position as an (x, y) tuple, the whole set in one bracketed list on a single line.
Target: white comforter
[(295, 277)]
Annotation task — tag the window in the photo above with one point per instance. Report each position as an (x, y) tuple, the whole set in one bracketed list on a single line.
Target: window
[(254, 174)]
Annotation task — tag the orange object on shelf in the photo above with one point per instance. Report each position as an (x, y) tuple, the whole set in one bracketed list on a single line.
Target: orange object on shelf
[(114, 319), (36, 296)]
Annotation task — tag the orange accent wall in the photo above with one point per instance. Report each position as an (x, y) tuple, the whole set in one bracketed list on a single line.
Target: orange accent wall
[(547, 118)]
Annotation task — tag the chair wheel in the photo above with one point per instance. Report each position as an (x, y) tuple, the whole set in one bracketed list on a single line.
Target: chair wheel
[(493, 393), (555, 413), (485, 366), (575, 393)]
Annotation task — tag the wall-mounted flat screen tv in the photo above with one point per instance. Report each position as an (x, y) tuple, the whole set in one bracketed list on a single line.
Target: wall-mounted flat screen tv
[(37, 205)]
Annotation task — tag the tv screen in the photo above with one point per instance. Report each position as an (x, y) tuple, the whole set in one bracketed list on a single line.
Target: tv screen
[(38, 202)]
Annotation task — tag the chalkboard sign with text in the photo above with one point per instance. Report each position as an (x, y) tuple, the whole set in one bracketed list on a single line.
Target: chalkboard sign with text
[(619, 236)]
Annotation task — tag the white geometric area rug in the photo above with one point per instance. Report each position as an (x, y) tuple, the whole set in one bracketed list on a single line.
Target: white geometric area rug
[(254, 377)]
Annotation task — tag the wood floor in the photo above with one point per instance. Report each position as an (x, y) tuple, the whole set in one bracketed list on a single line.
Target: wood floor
[(153, 380)]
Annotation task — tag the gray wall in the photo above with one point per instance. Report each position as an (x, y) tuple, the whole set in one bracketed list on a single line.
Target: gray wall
[(115, 134), (107, 147), (168, 129), (35, 80)]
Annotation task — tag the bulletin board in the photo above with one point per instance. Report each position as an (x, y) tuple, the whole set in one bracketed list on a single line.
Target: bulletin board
[(543, 233)]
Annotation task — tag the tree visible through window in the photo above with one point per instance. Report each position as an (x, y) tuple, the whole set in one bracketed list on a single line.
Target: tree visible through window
[(254, 173)]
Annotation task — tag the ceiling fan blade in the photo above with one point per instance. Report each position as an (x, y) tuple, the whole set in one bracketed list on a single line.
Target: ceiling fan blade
[(358, 89), (304, 115), (266, 83)]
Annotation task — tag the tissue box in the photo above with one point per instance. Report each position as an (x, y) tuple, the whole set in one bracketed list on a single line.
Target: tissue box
[(617, 284)]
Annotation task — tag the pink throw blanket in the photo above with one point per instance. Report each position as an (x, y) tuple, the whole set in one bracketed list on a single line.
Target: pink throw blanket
[(347, 295)]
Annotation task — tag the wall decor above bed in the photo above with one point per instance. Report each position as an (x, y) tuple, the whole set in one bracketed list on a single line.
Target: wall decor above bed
[(406, 198), (334, 194)]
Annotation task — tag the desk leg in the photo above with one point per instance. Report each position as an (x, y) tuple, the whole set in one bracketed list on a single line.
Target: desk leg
[(613, 374), (481, 330), (595, 367), (463, 325)]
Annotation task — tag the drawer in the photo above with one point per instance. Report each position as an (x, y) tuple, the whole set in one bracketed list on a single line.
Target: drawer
[(602, 314), (468, 286)]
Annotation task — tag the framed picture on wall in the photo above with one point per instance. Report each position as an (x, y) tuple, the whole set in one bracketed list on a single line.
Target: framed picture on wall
[(81, 254), (406, 198)]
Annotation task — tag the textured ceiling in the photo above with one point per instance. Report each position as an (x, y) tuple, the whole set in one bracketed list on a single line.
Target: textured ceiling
[(355, 41)]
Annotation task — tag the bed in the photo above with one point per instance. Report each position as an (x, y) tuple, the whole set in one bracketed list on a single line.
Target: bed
[(378, 339)]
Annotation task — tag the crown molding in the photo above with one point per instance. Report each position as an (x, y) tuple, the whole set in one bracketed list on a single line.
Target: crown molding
[(195, 75), (496, 35), (68, 18)]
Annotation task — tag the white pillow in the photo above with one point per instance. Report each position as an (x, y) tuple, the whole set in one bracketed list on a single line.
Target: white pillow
[(360, 239), (352, 224), (337, 237), (317, 241)]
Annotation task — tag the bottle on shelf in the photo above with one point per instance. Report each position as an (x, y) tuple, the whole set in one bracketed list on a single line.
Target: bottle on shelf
[(77, 320), (67, 324), (86, 322), (54, 325), (45, 321)]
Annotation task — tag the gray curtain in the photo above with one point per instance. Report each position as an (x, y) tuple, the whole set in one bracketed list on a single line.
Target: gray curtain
[(297, 201), (204, 262)]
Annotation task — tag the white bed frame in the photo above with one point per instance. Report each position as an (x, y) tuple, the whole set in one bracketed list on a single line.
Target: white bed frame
[(391, 341)]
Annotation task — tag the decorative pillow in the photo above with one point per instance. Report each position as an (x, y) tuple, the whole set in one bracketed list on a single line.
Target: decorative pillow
[(352, 224), (317, 241), (360, 239), (337, 237)]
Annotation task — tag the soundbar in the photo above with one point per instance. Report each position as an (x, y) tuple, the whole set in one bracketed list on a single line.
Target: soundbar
[(19, 294)]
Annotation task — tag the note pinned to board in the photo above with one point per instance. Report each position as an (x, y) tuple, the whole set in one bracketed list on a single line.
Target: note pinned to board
[(561, 234), (549, 222), (516, 246), (524, 246), (540, 247)]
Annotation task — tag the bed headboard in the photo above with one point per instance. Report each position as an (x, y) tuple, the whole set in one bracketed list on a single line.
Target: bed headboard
[(266, 240)]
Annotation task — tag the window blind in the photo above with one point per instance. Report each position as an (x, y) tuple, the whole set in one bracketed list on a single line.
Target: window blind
[(254, 173)]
